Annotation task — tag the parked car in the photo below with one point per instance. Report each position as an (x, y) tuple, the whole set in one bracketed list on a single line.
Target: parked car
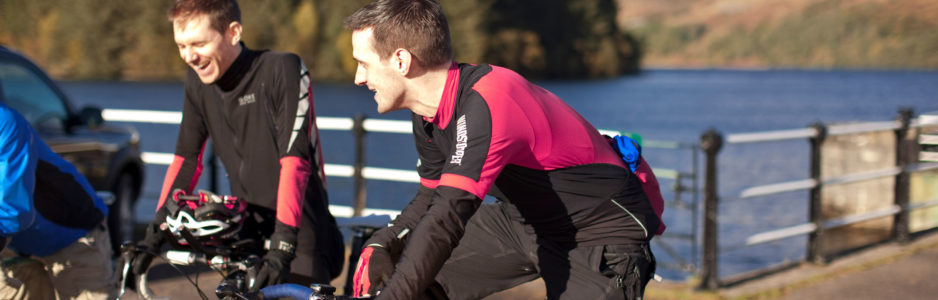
[(109, 156)]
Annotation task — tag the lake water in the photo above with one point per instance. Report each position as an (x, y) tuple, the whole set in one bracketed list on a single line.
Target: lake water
[(670, 105)]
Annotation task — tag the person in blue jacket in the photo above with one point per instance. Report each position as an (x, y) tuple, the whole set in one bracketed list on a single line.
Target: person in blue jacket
[(52, 223)]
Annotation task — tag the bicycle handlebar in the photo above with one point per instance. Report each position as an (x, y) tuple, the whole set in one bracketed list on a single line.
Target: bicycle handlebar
[(243, 267), (296, 291), (292, 290)]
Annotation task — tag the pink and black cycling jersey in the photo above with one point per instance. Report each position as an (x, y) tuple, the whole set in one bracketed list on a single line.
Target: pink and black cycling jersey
[(495, 133)]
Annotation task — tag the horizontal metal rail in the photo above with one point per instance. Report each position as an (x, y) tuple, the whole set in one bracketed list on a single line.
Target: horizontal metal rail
[(928, 139), (805, 184), (158, 158), (853, 219), (801, 229), (768, 136), (143, 116), (924, 120), (776, 188), (862, 176), (928, 156), (804, 133), (323, 123), (842, 129), (344, 211), (781, 233), (921, 167), (924, 204)]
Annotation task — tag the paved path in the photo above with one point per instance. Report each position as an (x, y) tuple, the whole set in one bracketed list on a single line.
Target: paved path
[(165, 281), (911, 277), (889, 271)]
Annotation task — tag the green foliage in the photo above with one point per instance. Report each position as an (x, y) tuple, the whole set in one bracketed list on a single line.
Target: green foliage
[(133, 39), (558, 39)]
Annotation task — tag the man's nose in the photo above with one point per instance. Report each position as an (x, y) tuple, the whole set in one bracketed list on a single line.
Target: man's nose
[(360, 78), (189, 56)]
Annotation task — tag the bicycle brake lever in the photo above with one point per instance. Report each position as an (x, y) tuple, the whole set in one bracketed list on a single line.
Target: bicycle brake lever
[(124, 271), (127, 250)]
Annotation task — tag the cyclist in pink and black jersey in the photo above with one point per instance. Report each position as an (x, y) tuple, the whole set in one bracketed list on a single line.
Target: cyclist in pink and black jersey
[(569, 210)]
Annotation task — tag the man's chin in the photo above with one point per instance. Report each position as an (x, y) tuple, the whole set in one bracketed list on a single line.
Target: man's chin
[(384, 110), (207, 79), (381, 109)]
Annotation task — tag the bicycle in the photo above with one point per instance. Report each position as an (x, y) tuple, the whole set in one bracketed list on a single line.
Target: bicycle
[(238, 264), (234, 284)]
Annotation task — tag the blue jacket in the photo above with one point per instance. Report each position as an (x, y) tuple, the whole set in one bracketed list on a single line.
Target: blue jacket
[(45, 204)]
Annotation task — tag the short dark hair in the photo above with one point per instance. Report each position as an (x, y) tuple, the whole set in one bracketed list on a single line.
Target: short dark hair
[(416, 25), (220, 12)]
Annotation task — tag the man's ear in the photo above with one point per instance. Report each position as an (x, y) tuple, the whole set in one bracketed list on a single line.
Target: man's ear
[(233, 33), (402, 60)]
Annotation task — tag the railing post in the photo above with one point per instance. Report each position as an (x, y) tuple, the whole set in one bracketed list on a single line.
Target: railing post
[(213, 170), (905, 152), (815, 238), (358, 128), (711, 141), (695, 217)]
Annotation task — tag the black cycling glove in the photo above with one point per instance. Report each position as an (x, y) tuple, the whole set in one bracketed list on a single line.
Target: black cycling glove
[(151, 244), (276, 266)]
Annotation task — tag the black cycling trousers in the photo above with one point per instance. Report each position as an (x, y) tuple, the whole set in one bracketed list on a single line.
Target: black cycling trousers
[(497, 253)]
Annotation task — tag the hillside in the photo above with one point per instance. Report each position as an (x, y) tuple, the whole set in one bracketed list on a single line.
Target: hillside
[(787, 34), (101, 39)]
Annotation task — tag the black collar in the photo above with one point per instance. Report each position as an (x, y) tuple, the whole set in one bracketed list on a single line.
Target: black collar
[(238, 69)]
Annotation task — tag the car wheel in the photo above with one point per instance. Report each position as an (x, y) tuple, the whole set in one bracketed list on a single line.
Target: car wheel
[(121, 219)]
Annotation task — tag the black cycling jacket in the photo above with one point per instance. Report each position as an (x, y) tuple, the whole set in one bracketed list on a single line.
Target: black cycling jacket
[(260, 117)]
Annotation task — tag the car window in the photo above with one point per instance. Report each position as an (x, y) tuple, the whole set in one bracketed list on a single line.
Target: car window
[(27, 93)]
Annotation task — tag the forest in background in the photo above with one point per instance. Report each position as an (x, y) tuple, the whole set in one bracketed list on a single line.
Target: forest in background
[(132, 40), (867, 34)]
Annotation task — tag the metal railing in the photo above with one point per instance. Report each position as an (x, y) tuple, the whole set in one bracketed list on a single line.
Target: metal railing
[(685, 182), (907, 162)]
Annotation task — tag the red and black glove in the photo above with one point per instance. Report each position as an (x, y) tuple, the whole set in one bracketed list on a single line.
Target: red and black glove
[(378, 258), (373, 270)]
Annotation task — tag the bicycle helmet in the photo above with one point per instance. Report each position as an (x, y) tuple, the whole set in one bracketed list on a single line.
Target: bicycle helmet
[(207, 219)]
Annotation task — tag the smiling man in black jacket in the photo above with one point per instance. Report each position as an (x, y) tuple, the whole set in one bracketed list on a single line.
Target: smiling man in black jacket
[(257, 107)]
